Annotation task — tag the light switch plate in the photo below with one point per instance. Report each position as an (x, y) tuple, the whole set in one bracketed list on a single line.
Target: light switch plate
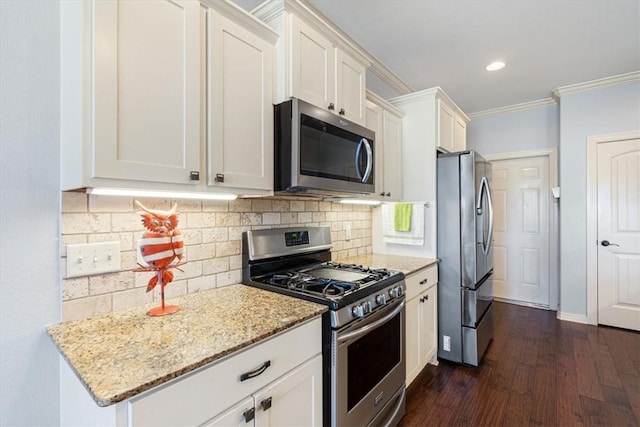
[(88, 259)]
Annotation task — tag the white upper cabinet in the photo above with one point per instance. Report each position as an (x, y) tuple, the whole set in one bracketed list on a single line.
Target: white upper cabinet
[(386, 121), (165, 95), (146, 91), (312, 65), (452, 126), (313, 61), (350, 88), (240, 115)]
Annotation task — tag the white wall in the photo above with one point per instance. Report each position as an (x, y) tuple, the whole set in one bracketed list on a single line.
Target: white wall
[(30, 215), (607, 110), (515, 131)]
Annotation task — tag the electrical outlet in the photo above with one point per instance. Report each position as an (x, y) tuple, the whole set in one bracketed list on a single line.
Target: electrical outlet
[(347, 231), (88, 259), (446, 343)]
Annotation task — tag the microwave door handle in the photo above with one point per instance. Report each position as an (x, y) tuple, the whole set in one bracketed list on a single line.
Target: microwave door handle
[(357, 160), (367, 172)]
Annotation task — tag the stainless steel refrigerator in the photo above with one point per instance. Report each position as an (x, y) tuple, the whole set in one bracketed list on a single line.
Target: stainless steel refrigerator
[(465, 250)]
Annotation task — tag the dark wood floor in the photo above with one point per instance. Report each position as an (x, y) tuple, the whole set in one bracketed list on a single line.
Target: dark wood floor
[(537, 371)]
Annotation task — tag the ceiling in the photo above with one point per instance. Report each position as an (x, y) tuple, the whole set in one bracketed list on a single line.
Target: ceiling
[(545, 44)]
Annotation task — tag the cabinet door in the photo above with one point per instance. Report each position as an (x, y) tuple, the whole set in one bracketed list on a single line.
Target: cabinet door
[(412, 342), (313, 65), (240, 415), (429, 325), (240, 130), (146, 90), (293, 400), (374, 122), (392, 155), (445, 127), (459, 134), (350, 88)]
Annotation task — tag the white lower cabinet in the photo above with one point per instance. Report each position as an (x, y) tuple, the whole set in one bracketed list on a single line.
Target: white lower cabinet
[(294, 399), (422, 320), (276, 382)]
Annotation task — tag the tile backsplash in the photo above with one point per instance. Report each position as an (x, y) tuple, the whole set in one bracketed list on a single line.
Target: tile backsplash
[(212, 233)]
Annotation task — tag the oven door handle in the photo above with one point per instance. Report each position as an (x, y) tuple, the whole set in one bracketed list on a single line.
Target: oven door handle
[(373, 325)]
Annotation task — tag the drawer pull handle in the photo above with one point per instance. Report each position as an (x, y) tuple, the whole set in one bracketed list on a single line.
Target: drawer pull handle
[(422, 282), (249, 415), (266, 404), (256, 372)]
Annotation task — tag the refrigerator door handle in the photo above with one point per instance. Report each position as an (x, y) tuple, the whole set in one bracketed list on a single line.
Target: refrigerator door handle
[(484, 186), (490, 200)]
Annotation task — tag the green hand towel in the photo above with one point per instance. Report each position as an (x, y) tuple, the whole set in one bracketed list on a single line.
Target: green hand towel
[(402, 217)]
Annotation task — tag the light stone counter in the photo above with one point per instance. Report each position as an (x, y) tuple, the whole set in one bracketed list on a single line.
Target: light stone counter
[(121, 354), (407, 265)]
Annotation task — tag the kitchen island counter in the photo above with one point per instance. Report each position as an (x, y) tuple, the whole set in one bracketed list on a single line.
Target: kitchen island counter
[(121, 354), (408, 265)]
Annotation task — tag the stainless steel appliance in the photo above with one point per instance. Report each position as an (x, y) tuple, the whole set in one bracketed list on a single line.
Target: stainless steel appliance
[(318, 152), (363, 331), (465, 249)]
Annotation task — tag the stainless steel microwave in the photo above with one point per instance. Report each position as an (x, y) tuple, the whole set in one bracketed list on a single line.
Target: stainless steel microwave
[(318, 152)]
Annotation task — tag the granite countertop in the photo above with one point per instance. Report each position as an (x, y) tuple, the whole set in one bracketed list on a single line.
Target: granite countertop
[(121, 354), (407, 265)]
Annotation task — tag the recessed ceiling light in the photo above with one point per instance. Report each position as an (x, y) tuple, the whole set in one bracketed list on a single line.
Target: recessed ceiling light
[(494, 66)]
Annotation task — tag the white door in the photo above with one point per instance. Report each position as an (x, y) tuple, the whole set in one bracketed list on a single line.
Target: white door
[(619, 224), (521, 230)]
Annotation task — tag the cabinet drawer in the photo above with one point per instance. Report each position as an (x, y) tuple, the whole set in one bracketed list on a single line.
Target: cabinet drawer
[(195, 398), (421, 280)]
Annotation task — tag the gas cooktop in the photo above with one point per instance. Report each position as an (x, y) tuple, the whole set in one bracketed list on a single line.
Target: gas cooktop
[(329, 280)]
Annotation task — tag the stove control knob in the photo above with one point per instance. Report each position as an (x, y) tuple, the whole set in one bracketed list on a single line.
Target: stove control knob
[(393, 292), (400, 290), (366, 307), (357, 310), (381, 299)]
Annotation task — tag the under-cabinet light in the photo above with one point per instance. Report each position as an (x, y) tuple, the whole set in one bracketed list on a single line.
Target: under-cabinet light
[(359, 202), (131, 192)]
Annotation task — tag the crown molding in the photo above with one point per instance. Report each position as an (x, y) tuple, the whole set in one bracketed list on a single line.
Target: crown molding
[(532, 105), (271, 9), (596, 84)]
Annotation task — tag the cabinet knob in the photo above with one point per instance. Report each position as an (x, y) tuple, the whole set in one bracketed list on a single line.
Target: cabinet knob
[(219, 177), (332, 107), (382, 194), (342, 113), (388, 194), (249, 415), (266, 403)]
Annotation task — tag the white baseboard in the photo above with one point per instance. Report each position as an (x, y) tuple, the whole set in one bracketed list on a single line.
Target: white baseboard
[(572, 317)]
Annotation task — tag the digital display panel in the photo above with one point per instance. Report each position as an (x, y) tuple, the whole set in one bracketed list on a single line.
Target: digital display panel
[(296, 238)]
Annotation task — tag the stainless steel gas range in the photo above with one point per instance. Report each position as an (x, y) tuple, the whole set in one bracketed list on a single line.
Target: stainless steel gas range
[(363, 331)]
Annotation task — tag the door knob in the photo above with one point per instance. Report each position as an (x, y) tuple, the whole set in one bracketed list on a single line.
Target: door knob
[(606, 243)]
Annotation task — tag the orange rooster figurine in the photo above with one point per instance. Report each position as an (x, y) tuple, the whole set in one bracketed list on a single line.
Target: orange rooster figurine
[(161, 248)]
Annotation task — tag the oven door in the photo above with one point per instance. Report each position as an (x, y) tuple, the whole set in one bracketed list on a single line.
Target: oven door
[(369, 368)]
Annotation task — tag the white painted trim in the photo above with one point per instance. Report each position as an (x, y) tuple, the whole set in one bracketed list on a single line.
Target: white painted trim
[(376, 99), (592, 216), (554, 215), (522, 303), (571, 317), (596, 84), (532, 105)]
